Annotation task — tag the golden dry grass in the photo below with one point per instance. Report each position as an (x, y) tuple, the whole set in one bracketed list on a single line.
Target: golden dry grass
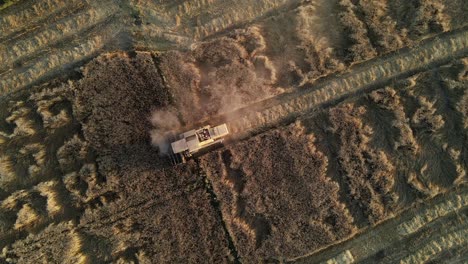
[(27, 217)]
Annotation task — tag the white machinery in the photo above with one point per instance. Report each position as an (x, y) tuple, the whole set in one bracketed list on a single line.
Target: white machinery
[(194, 140)]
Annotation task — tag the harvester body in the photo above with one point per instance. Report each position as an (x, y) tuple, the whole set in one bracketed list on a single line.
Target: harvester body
[(194, 140)]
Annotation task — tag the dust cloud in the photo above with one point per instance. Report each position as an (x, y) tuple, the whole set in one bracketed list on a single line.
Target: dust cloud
[(219, 76), (164, 123)]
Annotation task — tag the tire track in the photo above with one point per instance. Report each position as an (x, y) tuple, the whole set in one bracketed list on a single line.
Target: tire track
[(370, 75)]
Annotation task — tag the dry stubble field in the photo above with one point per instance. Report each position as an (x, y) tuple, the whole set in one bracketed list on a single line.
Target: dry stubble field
[(349, 122)]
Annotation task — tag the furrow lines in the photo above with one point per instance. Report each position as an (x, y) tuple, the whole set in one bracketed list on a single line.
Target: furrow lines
[(446, 213), (431, 214), (237, 14), (47, 64), (53, 34), (33, 14), (438, 245), (178, 26), (158, 38)]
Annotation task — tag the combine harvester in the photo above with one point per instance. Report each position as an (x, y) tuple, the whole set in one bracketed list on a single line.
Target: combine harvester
[(195, 140)]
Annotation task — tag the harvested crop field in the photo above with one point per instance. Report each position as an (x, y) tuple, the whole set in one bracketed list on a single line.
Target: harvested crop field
[(348, 127)]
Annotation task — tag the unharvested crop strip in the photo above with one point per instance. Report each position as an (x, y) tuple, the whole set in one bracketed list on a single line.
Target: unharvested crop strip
[(121, 214), (156, 61)]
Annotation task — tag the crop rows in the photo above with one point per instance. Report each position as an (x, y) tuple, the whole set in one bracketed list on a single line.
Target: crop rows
[(445, 231), (439, 239), (236, 15), (52, 34), (440, 210), (32, 15), (58, 37), (437, 246), (48, 64), (155, 37), (272, 111), (190, 21)]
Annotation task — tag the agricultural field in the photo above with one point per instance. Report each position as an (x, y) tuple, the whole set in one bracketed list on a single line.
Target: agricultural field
[(348, 129)]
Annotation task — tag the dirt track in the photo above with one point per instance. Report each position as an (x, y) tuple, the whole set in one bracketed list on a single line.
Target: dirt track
[(369, 75)]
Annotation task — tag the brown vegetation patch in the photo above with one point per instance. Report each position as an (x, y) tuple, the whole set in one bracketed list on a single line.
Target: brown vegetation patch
[(462, 107), (128, 209), (438, 129), (305, 43), (48, 246), (388, 99), (115, 98), (421, 18), (369, 173), (131, 202), (166, 214), (361, 47), (275, 196)]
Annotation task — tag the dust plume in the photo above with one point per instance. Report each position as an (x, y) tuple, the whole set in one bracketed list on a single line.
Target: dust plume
[(164, 123), (219, 76)]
